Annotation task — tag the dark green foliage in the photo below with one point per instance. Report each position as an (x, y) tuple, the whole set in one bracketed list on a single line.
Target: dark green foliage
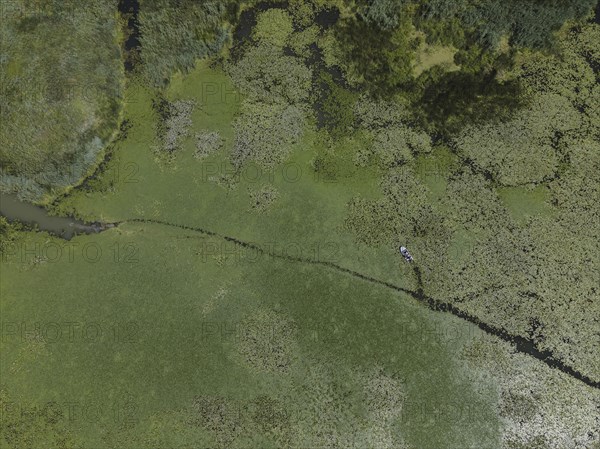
[(451, 100), (382, 58), (526, 23), (335, 108), (446, 32), (383, 13), (8, 233), (476, 59), (175, 33)]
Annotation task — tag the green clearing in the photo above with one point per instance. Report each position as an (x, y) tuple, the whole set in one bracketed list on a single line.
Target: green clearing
[(430, 56), (160, 327), (525, 202), (311, 206)]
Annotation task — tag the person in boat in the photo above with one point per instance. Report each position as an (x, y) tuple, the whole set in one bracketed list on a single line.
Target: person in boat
[(406, 254)]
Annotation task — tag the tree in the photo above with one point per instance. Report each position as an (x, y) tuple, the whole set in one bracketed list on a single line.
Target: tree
[(273, 26), (380, 58), (265, 74), (175, 33)]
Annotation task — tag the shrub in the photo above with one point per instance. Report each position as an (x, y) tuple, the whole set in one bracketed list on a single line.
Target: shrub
[(303, 12), (207, 143), (402, 213), (274, 26), (335, 107), (265, 133), (175, 33), (396, 146), (173, 124), (261, 200), (265, 74), (380, 58), (301, 41), (9, 232), (521, 150), (383, 13), (373, 114)]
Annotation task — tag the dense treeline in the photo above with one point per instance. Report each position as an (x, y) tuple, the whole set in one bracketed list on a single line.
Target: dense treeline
[(379, 38), (524, 23), (175, 33)]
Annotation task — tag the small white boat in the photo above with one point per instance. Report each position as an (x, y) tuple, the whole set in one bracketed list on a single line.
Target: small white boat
[(406, 254)]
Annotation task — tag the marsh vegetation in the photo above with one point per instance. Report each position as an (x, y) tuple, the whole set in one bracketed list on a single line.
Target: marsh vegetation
[(269, 143)]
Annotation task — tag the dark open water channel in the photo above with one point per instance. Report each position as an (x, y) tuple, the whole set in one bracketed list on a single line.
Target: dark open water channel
[(65, 227)]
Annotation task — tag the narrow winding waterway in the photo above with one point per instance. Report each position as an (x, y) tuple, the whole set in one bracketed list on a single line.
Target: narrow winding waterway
[(65, 227), (129, 10)]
